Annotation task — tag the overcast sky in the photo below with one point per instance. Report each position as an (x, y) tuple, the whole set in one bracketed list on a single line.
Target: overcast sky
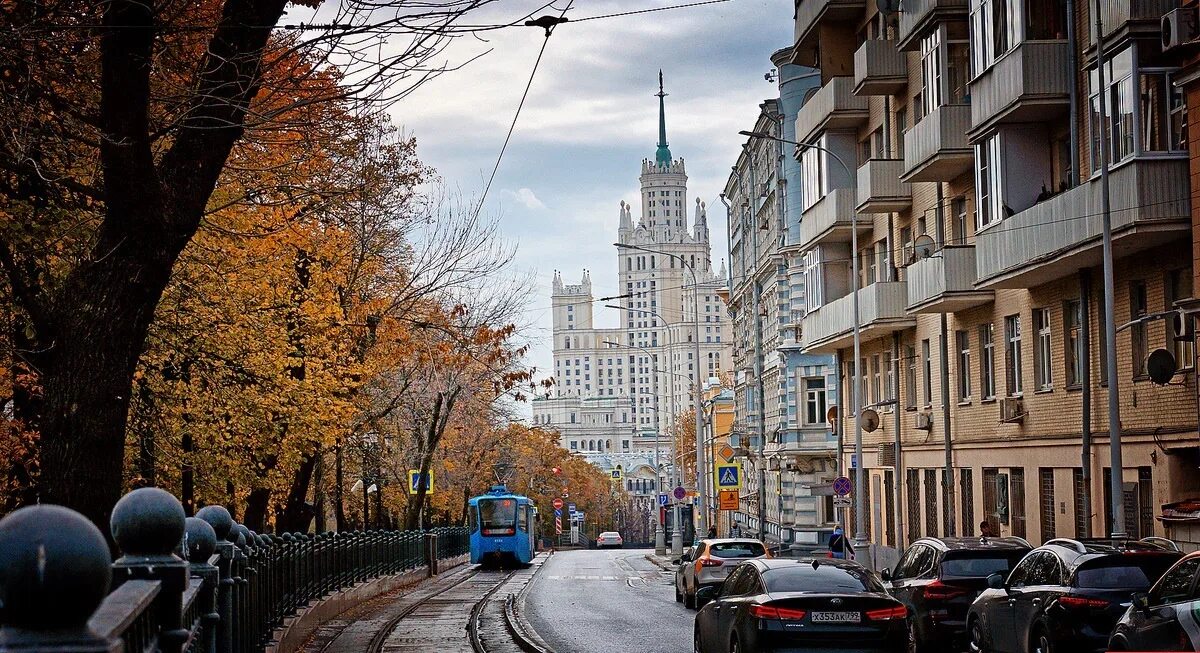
[(590, 118)]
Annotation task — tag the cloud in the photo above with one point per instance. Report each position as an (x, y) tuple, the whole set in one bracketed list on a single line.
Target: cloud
[(524, 197)]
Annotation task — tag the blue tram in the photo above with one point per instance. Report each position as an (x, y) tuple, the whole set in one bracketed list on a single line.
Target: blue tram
[(503, 528)]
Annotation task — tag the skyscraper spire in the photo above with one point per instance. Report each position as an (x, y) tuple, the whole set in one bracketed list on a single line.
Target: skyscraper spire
[(663, 156)]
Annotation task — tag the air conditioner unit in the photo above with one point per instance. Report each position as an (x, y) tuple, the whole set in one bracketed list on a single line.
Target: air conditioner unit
[(923, 422), (1181, 325), (1180, 27), (1012, 409), (887, 454)]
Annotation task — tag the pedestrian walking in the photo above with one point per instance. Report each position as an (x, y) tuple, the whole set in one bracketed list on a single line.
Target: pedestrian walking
[(985, 529), (735, 530), (839, 547), (712, 532)]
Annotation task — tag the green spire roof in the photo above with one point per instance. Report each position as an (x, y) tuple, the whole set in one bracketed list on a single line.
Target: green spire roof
[(662, 157)]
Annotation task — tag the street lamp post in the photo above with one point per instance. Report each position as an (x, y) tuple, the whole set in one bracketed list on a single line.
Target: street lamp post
[(696, 391), (860, 512)]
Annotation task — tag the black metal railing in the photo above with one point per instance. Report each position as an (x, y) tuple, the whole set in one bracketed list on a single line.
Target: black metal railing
[(202, 584)]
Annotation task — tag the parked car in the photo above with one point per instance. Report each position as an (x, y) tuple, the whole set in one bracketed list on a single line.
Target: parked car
[(609, 538), (1167, 618), (709, 562), (801, 604), (939, 578), (1065, 595)]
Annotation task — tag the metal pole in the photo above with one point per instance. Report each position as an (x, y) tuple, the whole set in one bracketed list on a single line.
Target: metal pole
[(698, 399), (948, 473), (897, 464), (1085, 337), (1116, 504)]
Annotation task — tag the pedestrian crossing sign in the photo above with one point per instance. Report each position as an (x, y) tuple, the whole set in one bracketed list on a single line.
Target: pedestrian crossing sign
[(616, 474), (729, 477), (416, 480)]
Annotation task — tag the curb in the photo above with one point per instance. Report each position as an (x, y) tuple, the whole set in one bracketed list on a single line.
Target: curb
[(517, 625), (661, 565)]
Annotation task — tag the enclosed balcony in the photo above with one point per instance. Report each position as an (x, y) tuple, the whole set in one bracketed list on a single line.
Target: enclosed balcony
[(880, 189), (829, 219), (1136, 16), (810, 14), (833, 106), (919, 17), (881, 310), (879, 68), (936, 149), (805, 441), (945, 282), (1029, 84), (1057, 237)]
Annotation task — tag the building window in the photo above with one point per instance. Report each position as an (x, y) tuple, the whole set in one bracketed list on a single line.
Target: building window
[(910, 376), (1073, 341), (815, 181), (1120, 103), (931, 72), (989, 192), (987, 361), (813, 288), (876, 378), (1178, 288), (1046, 501), (966, 498), (1137, 332), (1043, 370), (889, 377), (961, 220), (963, 340), (931, 502), (814, 401), (1013, 362), (927, 360)]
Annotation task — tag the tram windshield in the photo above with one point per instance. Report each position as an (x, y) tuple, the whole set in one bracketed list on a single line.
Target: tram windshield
[(498, 516)]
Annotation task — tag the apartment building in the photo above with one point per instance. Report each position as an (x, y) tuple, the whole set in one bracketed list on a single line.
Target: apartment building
[(781, 393), (970, 136)]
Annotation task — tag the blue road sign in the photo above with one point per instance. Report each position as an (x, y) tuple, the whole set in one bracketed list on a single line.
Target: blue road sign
[(842, 486), (663, 499), (680, 493), (571, 508), (557, 512), (729, 477)]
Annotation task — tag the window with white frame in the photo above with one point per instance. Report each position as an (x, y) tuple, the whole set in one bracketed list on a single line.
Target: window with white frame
[(927, 372), (1043, 369), (987, 361), (813, 287), (1119, 105), (963, 340), (814, 400), (910, 376), (813, 175), (1073, 341), (1013, 366), (989, 202), (931, 72)]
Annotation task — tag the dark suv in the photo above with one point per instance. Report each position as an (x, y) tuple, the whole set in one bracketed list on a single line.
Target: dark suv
[(1065, 595), (938, 578)]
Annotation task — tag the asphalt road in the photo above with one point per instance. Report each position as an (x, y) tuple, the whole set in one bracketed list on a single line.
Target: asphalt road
[(591, 601)]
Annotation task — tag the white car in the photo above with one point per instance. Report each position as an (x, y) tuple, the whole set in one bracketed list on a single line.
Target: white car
[(609, 538)]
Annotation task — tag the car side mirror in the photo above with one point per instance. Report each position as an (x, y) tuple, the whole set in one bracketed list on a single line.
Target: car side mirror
[(706, 594), (996, 581), (1141, 601), (885, 574)]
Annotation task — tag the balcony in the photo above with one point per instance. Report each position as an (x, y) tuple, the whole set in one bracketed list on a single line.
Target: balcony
[(879, 68), (805, 441), (880, 189), (1059, 236), (1121, 16), (811, 13), (881, 310), (945, 282), (829, 219), (919, 16), (833, 106), (936, 149), (1029, 84)]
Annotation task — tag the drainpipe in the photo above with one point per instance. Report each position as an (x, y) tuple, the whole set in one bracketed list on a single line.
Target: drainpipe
[(897, 464), (948, 474), (1085, 330), (1073, 84)]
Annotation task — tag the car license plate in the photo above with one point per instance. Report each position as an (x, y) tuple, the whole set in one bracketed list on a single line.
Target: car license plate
[(837, 617)]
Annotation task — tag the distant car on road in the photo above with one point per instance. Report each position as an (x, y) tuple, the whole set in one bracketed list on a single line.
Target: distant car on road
[(609, 538), (1167, 618), (1065, 595), (709, 562), (939, 578), (801, 604)]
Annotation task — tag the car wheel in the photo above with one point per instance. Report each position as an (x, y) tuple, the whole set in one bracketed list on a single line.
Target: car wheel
[(977, 642), (1042, 642), (697, 647), (689, 600), (734, 646), (678, 594)]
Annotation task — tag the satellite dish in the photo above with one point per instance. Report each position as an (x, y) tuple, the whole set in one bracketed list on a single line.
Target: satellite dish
[(1160, 365), (924, 246), (869, 420), (888, 7), (831, 415)]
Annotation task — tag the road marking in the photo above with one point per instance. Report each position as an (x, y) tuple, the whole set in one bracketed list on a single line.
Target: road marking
[(586, 577)]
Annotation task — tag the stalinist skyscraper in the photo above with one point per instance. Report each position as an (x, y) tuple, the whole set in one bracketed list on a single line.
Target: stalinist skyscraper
[(617, 388)]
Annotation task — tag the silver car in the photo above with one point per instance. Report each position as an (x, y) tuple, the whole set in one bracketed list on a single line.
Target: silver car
[(709, 563)]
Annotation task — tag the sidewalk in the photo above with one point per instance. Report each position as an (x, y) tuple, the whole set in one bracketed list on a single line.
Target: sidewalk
[(662, 561)]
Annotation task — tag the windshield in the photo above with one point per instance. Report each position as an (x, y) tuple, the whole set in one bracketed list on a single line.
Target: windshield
[(736, 550), (498, 516), (976, 565), (824, 579), (1136, 572)]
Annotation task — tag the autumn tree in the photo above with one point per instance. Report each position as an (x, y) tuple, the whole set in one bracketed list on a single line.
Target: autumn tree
[(119, 120)]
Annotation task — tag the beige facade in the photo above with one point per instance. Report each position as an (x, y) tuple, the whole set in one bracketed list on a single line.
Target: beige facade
[(969, 211)]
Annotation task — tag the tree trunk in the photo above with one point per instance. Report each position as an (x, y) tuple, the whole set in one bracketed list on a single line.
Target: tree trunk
[(256, 510), (443, 404), (297, 513)]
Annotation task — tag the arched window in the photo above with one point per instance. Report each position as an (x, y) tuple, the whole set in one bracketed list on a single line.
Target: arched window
[(591, 445)]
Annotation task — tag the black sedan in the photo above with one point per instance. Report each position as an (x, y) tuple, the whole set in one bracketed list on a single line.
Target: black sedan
[(809, 603), (1167, 618)]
